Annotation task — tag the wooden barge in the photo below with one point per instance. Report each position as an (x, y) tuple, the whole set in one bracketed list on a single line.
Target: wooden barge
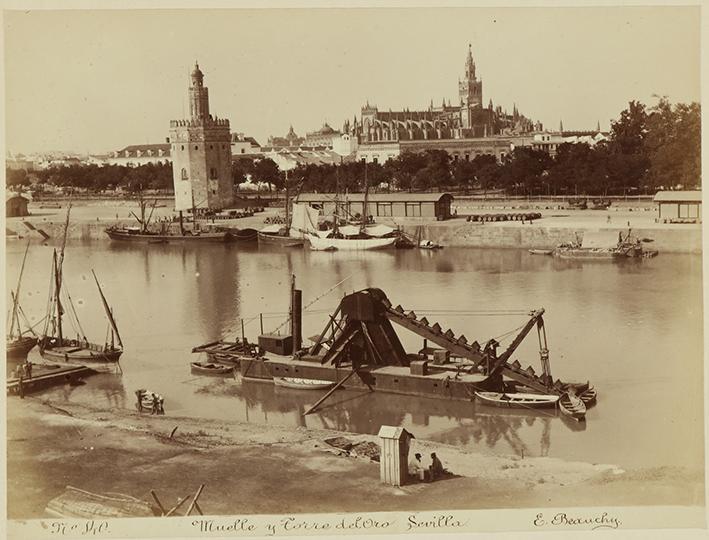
[(47, 375)]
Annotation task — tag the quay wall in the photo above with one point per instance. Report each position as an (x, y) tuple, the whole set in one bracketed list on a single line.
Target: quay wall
[(466, 234), (479, 235)]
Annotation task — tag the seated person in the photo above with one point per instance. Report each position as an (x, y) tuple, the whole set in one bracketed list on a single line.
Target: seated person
[(416, 467), (436, 467)]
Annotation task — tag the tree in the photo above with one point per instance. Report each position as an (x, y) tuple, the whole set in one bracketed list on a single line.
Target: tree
[(17, 177), (240, 171), (266, 171), (628, 132), (672, 144)]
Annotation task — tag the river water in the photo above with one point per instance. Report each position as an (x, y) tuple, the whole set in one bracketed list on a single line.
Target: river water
[(634, 329)]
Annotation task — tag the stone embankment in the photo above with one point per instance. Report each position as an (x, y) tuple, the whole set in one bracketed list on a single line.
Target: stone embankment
[(537, 235)]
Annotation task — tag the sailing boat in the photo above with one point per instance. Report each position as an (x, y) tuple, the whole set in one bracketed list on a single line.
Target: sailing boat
[(301, 219), (165, 235), (350, 237), (54, 345), (19, 345)]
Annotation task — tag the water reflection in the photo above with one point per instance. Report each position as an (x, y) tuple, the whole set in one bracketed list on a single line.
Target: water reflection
[(614, 324)]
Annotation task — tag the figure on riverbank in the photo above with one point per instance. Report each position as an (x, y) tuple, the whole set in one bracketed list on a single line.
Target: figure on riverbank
[(416, 468)]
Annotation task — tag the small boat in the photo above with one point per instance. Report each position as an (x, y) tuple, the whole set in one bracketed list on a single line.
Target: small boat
[(516, 399), (588, 396), (541, 251), (228, 352), (302, 384), (76, 503), (427, 244), (207, 368), (572, 405)]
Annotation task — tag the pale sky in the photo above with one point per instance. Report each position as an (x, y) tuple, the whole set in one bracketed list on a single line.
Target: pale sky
[(100, 80)]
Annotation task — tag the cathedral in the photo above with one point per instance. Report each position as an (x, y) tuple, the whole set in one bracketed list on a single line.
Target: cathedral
[(468, 119), (201, 154)]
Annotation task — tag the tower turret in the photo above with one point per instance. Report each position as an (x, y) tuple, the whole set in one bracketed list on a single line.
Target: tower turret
[(199, 95)]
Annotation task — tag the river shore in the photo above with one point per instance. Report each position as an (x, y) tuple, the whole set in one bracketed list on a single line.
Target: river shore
[(255, 468), (557, 225)]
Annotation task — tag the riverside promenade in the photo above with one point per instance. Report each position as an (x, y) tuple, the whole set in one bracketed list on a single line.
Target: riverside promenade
[(557, 224)]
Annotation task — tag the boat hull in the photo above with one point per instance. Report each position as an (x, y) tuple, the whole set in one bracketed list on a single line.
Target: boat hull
[(302, 384), (278, 240), (516, 400), (211, 369), (572, 406), (76, 351), (349, 244), (18, 349), (124, 236)]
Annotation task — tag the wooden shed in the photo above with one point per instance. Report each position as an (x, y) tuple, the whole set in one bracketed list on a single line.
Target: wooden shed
[(16, 206), (379, 205), (679, 206), (394, 457)]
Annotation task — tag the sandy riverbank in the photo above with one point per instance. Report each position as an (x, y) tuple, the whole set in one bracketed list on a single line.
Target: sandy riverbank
[(256, 468)]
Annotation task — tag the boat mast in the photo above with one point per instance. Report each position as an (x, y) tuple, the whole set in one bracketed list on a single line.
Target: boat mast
[(16, 297), (58, 264), (109, 313), (57, 302), (363, 221), (288, 216), (337, 202)]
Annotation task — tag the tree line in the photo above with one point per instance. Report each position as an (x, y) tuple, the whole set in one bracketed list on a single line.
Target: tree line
[(647, 149)]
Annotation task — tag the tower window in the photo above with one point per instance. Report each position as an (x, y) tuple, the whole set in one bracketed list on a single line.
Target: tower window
[(211, 147), (184, 174), (183, 146), (213, 173), (196, 147)]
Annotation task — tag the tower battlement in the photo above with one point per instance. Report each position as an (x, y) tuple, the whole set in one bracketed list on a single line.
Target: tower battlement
[(206, 122)]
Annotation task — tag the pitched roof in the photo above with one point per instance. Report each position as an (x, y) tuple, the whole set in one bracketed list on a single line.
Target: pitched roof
[(678, 196), (376, 197), (145, 147)]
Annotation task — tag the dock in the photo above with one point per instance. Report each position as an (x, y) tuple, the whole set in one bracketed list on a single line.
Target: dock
[(47, 375)]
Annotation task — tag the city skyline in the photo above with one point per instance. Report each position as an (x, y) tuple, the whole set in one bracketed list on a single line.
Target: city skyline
[(109, 79)]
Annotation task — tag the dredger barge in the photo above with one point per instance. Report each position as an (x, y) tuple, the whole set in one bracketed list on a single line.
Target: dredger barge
[(359, 348)]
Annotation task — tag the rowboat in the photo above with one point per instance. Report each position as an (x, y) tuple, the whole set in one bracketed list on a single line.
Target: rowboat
[(541, 251), (588, 396), (514, 400), (571, 405), (427, 244), (207, 368), (302, 384)]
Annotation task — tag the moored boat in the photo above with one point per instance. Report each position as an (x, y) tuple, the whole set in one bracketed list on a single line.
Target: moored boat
[(541, 251), (208, 368), (302, 384), (571, 405), (428, 244), (54, 345), (516, 399), (18, 345), (135, 234)]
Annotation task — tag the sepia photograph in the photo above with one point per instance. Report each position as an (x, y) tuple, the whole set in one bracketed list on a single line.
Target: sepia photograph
[(348, 270)]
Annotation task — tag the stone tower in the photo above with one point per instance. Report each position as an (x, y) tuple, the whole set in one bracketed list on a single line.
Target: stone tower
[(470, 90), (201, 154)]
